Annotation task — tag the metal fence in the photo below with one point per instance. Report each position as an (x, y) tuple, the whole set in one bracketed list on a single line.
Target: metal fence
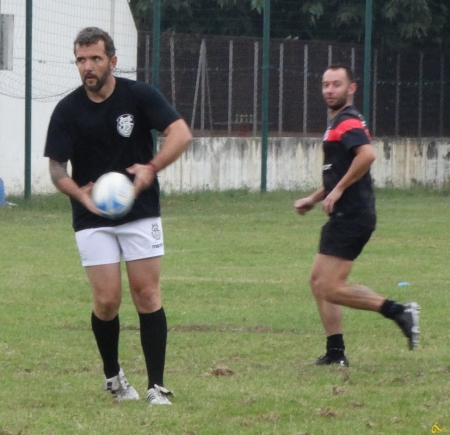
[(215, 83)]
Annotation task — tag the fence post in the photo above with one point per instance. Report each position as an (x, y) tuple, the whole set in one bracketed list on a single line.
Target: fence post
[(419, 115), (155, 56), (280, 92), (305, 89), (397, 96), (441, 99), (367, 58), (28, 96), (197, 84), (374, 105), (147, 58), (230, 85), (203, 86), (265, 94), (255, 86), (172, 70)]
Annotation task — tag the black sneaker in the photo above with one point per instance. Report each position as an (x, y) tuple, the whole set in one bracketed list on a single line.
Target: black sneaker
[(408, 322), (326, 360)]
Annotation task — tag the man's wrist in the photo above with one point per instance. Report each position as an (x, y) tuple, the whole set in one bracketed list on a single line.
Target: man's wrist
[(153, 166)]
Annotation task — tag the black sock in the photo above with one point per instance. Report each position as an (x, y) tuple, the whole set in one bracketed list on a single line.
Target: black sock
[(390, 309), (154, 340), (335, 346), (107, 335)]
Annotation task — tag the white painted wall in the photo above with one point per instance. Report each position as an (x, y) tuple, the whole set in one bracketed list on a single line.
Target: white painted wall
[(55, 25), (296, 164), (292, 164)]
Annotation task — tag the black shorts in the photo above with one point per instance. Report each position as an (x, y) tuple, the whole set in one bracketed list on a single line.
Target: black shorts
[(344, 239)]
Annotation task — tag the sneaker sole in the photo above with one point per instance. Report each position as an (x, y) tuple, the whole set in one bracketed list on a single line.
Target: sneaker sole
[(414, 309)]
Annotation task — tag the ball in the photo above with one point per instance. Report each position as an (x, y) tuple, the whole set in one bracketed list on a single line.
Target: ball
[(113, 195)]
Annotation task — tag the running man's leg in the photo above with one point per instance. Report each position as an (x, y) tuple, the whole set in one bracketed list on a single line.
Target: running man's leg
[(328, 282)]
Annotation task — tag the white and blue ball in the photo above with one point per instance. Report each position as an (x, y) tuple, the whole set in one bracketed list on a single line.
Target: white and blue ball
[(113, 195)]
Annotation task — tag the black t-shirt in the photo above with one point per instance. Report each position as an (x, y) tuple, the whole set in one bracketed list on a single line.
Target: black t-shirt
[(109, 136), (346, 132)]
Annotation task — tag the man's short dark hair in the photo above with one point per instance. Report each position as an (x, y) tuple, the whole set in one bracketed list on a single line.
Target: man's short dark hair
[(91, 35), (348, 70)]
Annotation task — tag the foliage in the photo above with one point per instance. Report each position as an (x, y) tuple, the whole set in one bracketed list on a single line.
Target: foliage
[(396, 23)]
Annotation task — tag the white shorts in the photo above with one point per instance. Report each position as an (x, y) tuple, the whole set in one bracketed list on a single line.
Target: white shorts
[(132, 241)]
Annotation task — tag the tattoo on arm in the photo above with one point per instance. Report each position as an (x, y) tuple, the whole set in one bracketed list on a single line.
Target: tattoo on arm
[(58, 171)]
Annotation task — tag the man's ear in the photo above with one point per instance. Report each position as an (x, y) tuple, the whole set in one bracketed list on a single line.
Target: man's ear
[(113, 61), (353, 88)]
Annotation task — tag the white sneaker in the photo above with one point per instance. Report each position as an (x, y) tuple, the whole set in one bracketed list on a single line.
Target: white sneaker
[(159, 396), (408, 321), (120, 388)]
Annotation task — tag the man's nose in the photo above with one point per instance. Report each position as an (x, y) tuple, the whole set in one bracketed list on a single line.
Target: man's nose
[(88, 65)]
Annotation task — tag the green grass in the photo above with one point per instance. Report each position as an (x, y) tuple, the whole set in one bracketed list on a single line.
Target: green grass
[(235, 289)]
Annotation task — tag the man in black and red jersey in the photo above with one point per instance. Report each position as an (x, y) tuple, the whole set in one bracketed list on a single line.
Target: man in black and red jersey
[(348, 199)]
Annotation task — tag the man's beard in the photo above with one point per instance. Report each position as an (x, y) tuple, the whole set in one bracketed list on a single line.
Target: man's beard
[(340, 103), (98, 84)]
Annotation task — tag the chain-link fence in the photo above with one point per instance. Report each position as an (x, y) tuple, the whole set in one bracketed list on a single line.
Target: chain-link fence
[(215, 82)]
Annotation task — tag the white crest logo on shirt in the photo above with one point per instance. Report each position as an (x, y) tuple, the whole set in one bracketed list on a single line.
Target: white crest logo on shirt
[(325, 136), (125, 124)]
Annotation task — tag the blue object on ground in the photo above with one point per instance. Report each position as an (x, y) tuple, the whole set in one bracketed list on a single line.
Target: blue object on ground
[(2, 193)]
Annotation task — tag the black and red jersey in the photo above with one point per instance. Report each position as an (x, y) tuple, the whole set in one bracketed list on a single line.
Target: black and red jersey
[(346, 132)]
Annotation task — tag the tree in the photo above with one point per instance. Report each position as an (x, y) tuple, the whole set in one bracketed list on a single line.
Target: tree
[(396, 23)]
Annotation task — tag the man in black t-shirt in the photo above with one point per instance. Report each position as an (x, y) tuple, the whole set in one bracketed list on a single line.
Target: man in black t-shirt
[(348, 199), (105, 125)]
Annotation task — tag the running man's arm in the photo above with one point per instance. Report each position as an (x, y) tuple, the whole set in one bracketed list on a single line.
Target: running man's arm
[(306, 204), (364, 157)]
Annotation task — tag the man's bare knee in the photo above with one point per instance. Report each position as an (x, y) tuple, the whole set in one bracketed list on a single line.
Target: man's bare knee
[(318, 286)]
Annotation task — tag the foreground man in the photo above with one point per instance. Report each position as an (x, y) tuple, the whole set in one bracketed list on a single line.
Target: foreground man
[(105, 125)]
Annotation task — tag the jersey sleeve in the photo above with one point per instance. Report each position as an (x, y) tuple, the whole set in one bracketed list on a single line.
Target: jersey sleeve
[(353, 133), (159, 111), (59, 143)]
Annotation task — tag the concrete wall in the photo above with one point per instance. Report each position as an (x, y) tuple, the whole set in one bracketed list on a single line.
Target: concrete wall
[(292, 164), (295, 163)]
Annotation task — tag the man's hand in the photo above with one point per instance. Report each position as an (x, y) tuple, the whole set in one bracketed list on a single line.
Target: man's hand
[(304, 205), (331, 199), (143, 176), (86, 198)]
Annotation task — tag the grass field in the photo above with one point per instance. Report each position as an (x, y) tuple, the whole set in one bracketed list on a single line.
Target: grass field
[(243, 324)]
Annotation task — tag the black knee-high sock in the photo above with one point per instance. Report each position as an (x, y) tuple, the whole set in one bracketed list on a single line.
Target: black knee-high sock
[(107, 335), (154, 340)]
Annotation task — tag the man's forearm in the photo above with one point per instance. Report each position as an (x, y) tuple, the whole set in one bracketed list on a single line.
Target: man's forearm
[(317, 196), (62, 181), (178, 136)]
